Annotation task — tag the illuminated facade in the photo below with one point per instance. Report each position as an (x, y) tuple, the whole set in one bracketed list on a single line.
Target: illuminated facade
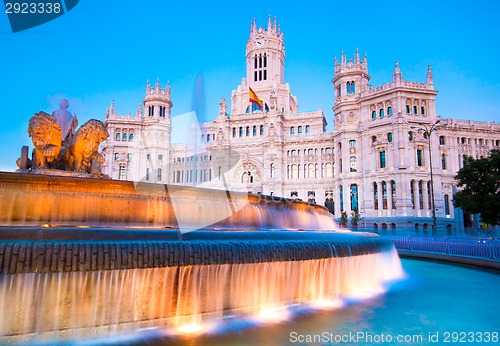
[(375, 161)]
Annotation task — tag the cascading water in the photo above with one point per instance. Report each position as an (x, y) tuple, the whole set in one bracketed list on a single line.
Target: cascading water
[(81, 304), (58, 283)]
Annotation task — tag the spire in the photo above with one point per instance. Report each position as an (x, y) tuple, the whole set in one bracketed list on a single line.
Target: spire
[(335, 61), (222, 107), (167, 90), (342, 58), (148, 87), (429, 74), (269, 25), (157, 86), (107, 112), (139, 110), (274, 27), (356, 57), (397, 76), (112, 107)]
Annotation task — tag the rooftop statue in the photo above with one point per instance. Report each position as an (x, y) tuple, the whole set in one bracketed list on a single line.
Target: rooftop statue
[(58, 148)]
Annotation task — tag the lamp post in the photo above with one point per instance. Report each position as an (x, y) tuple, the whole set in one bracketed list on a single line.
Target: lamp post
[(428, 131)]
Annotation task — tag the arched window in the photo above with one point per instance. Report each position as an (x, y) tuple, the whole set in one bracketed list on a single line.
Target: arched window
[(117, 156), (410, 135), (407, 109), (131, 137), (352, 143), (441, 140), (272, 170), (300, 130), (292, 130), (118, 136), (374, 114), (254, 130), (247, 132), (381, 112), (422, 110), (375, 196), (241, 131), (265, 60), (389, 110), (374, 139), (414, 109), (389, 137), (353, 164), (260, 60), (348, 87), (255, 61), (308, 129), (353, 88), (234, 131)]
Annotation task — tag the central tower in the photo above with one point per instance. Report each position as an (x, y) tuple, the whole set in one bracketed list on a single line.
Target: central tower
[(265, 54)]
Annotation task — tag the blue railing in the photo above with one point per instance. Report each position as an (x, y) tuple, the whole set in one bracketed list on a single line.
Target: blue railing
[(477, 247)]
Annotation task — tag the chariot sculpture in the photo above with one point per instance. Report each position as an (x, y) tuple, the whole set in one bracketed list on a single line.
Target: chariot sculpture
[(59, 146)]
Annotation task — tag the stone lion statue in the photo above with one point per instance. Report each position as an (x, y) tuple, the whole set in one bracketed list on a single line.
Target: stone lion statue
[(85, 145), (46, 135)]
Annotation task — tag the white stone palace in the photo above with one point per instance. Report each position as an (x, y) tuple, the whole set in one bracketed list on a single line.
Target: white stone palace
[(376, 160)]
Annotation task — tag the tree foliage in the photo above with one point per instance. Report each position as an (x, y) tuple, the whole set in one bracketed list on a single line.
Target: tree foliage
[(480, 183), (344, 219), (355, 218)]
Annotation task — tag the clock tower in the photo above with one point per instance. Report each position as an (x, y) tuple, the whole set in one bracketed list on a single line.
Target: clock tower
[(265, 55)]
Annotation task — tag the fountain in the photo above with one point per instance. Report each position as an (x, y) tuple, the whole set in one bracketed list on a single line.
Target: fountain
[(83, 257)]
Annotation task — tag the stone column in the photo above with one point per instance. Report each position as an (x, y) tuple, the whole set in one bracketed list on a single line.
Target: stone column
[(415, 197), (425, 194)]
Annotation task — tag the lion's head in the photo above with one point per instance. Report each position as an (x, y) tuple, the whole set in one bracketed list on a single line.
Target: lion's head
[(86, 144), (46, 135)]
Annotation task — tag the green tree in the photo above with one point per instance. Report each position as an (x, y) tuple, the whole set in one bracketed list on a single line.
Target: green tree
[(355, 218), (480, 183), (344, 219)]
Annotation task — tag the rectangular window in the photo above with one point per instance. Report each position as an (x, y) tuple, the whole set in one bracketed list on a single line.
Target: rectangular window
[(262, 130), (414, 109), (384, 195), (122, 173), (234, 132), (158, 175), (341, 192), (429, 200), (375, 196), (389, 111), (443, 161), (265, 74), (421, 195), (447, 204), (412, 194), (382, 159), (407, 109), (255, 76), (354, 197), (147, 174), (419, 158), (393, 191)]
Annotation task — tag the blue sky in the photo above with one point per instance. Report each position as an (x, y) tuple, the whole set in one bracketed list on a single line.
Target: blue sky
[(105, 50)]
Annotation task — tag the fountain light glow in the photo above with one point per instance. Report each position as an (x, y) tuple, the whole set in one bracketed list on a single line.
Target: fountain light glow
[(190, 328), (273, 315)]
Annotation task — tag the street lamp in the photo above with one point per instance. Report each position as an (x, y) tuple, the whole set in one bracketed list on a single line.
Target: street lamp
[(428, 131)]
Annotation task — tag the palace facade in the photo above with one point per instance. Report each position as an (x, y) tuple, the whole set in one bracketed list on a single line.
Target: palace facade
[(375, 161)]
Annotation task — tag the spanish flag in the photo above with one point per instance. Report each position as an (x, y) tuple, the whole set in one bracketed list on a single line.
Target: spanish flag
[(254, 98)]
